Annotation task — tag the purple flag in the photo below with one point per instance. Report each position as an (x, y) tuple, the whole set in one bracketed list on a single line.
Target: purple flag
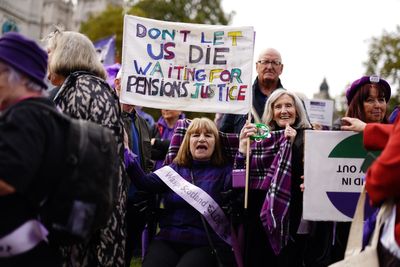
[(106, 50)]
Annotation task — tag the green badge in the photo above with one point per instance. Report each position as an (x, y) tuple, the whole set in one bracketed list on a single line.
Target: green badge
[(263, 132)]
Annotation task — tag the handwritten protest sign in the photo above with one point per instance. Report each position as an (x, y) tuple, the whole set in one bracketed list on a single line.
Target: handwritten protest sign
[(190, 67), (333, 174)]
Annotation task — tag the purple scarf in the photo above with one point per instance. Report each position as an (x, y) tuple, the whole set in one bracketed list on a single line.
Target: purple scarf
[(274, 212)]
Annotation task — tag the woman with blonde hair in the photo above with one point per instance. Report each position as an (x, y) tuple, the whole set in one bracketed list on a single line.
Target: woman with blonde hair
[(191, 187), (74, 67)]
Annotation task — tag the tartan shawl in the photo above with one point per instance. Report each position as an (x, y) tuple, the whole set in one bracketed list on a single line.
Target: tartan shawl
[(270, 170)]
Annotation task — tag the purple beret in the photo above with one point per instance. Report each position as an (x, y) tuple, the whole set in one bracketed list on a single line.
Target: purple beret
[(357, 84), (25, 56)]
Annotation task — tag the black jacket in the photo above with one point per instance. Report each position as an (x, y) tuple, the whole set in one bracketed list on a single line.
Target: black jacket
[(144, 135)]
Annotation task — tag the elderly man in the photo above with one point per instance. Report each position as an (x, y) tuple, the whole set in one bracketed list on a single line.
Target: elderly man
[(269, 67)]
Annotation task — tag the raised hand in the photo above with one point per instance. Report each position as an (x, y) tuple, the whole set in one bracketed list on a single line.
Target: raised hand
[(249, 129), (290, 133), (352, 124)]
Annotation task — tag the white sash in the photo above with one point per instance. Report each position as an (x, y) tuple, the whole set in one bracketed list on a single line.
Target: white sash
[(22, 239), (199, 200)]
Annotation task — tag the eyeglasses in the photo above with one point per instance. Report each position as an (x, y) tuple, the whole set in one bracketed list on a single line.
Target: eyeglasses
[(274, 63)]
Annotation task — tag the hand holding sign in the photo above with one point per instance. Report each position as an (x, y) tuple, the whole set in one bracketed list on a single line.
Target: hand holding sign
[(352, 124)]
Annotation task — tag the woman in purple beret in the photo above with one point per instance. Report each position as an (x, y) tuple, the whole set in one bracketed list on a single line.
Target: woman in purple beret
[(367, 98)]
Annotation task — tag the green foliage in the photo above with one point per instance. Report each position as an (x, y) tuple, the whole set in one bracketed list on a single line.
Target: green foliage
[(136, 262), (393, 102), (192, 11), (110, 21), (384, 59)]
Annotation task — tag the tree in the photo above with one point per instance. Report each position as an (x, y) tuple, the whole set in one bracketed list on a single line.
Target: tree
[(384, 58), (191, 11), (110, 21)]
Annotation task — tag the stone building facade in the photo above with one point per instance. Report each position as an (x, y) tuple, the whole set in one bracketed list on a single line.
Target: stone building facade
[(35, 18)]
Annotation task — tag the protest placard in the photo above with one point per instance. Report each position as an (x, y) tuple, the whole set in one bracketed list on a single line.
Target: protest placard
[(320, 111), (189, 67), (333, 174)]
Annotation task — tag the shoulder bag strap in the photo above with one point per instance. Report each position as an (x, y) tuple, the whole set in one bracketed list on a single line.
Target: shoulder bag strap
[(354, 243)]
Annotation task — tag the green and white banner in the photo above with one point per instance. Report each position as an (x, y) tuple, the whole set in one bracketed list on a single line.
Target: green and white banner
[(334, 169)]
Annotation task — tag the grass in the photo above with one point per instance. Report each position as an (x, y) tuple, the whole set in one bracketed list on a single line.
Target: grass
[(136, 262)]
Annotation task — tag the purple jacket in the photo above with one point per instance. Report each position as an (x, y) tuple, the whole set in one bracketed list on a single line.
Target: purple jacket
[(180, 222)]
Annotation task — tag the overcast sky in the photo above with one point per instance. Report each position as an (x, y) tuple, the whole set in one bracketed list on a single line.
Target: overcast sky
[(317, 38)]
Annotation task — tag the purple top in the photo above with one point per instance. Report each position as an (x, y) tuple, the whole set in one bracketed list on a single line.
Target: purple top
[(166, 131), (163, 133), (180, 222)]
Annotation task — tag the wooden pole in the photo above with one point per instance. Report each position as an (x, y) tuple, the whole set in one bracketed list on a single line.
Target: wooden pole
[(246, 186)]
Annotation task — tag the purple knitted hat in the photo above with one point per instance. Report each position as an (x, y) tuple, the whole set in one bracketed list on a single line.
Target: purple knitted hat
[(25, 55)]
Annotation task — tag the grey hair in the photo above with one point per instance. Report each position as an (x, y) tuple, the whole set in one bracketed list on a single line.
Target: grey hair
[(301, 120), (15, 77), (72, 51)]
